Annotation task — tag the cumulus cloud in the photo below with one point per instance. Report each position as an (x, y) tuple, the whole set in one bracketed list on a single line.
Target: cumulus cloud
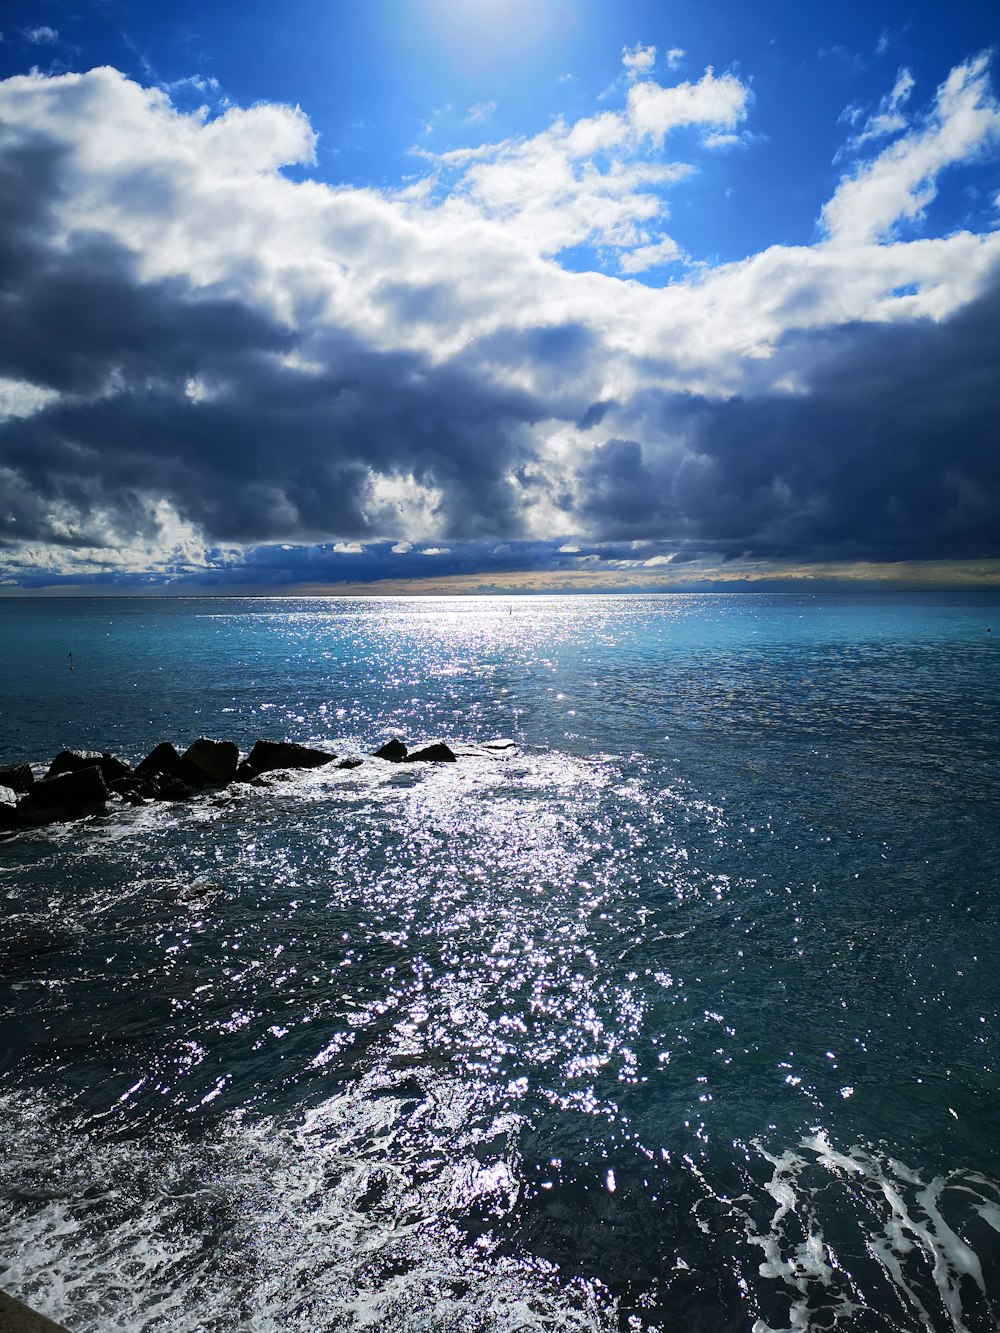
[(205, 361), (638, 60)]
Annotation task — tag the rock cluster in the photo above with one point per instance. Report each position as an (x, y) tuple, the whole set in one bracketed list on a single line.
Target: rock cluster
[(79, 782)]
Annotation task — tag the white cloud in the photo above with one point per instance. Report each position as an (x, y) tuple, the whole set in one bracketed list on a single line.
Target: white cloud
[(638, 60), (901, 181), (20, 399), (40, 36), (889, 118), (481, 111), (674, 57), (643, 257), (654, 111)]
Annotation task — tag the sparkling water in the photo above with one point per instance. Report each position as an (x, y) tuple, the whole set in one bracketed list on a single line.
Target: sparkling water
[(682, 1018)]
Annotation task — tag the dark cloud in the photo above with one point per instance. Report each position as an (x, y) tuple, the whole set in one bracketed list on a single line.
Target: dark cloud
[(887, 452), (183, 396)]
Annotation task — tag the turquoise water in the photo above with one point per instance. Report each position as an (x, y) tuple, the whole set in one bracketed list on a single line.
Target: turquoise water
[(682, 1019)]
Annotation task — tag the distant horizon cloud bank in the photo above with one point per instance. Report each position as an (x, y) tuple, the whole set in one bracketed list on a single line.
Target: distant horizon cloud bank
[(218, 370)]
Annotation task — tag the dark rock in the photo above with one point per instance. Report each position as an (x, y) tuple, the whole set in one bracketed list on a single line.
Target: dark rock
[(268, 755), (432, 754), (394, 751), (18, 777), (165, 760), (500, 746), (217, 760), (163, 787), (66, 793), (10, 820), (350, 763), (244, 772), (138, 788), (72, 761)]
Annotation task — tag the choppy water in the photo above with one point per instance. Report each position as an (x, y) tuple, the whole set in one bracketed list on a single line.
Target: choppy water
[(685, 1018)]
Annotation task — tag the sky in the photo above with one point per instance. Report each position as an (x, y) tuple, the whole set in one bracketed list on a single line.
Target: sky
[(497, 295)]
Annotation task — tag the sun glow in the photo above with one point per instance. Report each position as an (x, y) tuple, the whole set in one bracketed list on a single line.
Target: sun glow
[(487, 31)]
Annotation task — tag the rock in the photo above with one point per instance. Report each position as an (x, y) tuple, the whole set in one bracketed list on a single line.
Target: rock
[(18, 777), (165, 760), (9, 818), (217, 760), (244, 772), (66, 794), (432, 754), (501, 747), (394, 751), (151, 786), (71, 761), (350, 763), (268, 755)]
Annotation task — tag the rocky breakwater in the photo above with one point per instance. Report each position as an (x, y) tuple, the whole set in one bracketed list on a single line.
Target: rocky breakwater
[(83, 782)]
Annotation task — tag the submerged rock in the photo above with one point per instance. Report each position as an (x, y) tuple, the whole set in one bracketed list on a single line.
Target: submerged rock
[(215, 760), (438, 753), (269, 755), (394, 751), (350, 763)]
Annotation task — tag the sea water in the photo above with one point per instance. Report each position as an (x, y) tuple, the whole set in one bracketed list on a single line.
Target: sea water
[(682, 1018)]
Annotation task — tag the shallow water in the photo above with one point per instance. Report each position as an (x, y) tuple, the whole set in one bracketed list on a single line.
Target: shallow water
[(682, 1018)]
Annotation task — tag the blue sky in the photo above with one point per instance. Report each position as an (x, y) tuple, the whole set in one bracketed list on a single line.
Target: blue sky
[(529, 294)]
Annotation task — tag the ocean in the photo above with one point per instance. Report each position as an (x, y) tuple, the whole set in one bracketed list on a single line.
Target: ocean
[(682, 1018)]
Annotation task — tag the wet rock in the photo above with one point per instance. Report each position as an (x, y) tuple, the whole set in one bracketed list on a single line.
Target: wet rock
[(72, 761), (432, 754), (350, 763), (10, 820), (65, 796), (394, 751), (18, 777), (216, 760), (165, 760), (501, 747), (137, 788), (269, 755)]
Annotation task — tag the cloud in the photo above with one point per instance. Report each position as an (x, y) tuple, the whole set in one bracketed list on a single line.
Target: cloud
[(211, 369), (597, 181), (638, 60), (902, 180), (674, 57), (719, 102), (40, 36), (889, 118), (643, 257), (481, 111)]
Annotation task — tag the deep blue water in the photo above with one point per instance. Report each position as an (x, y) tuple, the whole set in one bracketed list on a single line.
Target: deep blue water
[(684, 1018)]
